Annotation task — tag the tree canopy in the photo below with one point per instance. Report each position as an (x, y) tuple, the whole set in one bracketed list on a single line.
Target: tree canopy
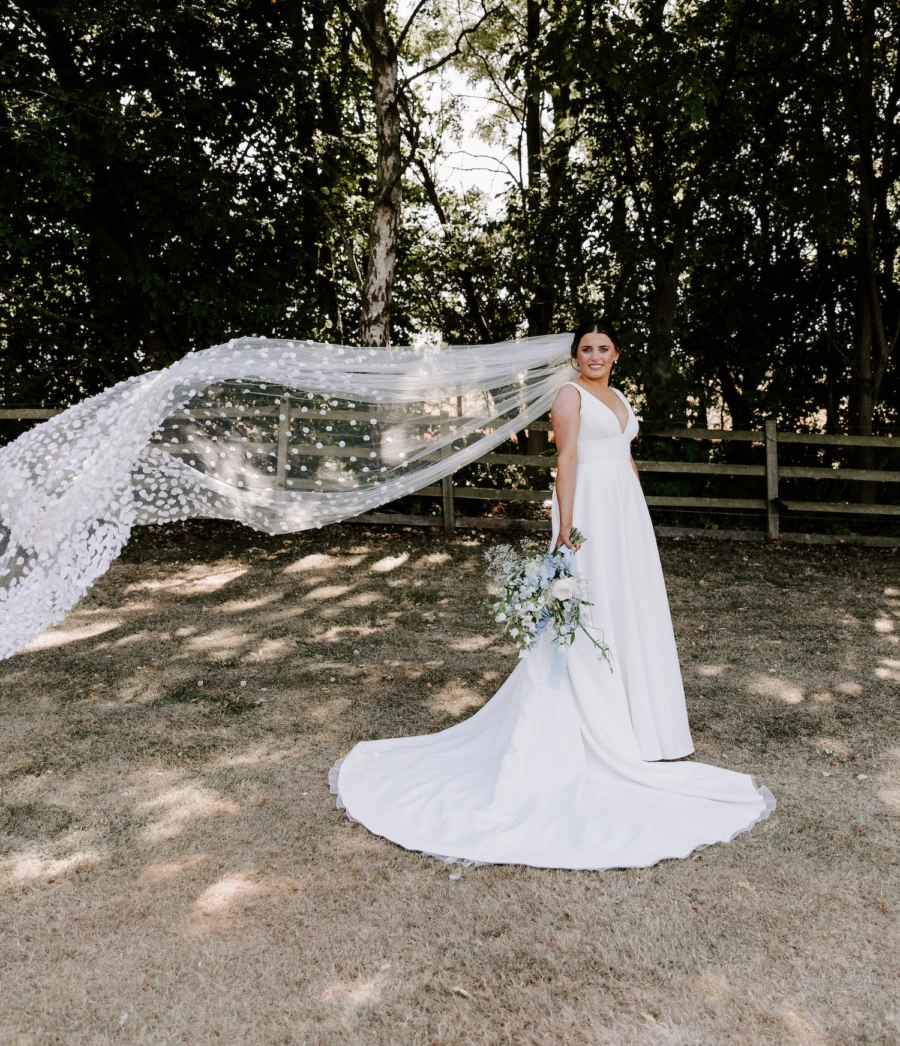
[(720, 179)]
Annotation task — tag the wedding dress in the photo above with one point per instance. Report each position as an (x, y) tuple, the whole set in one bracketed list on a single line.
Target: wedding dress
[(557, 770)]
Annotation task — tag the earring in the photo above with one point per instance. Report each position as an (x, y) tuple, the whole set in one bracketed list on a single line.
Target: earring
[(574, 364)]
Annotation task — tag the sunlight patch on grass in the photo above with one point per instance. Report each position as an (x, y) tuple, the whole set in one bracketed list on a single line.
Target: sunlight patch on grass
[(226, 892), (173, 809), (212, 582), (349, 632), (27, 868), (243, 606), (219, 644), (890, 796), (162, 871), (777, 688), (850, 688), (889, 793), (713, 990), (271, 650), (62, 637), (195, 581), (471, 644), (144, 604), (798, 1029), (888, 669), (274, 617), (135, 637), (456, 700), (435, 559), (884, 625), (388, 563), (327, 711), (353, 993), (363, 599), (11, 676), (332, 612), (158, 584), (712, 671), (259, 755), (322, 561), (328, 592)]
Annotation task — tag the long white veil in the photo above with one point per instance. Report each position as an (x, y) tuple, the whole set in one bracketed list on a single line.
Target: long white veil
[(281, 435)]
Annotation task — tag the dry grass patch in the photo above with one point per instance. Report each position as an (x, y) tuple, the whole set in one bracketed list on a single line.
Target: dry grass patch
[(174, 871)]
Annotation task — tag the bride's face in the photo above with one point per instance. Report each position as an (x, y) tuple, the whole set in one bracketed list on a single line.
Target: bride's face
[(595, 356)]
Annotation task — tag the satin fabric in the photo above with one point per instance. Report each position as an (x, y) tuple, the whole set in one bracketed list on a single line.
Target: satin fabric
[(621, 563), (557, 770)]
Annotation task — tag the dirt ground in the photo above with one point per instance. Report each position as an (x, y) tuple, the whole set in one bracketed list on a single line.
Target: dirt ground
[(173, 868)]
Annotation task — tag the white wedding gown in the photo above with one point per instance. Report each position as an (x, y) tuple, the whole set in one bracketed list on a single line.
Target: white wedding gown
[(556, 769)]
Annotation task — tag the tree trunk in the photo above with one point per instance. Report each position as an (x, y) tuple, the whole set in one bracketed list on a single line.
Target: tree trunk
[(665, 395), (539, 303), (825, 262), (865, 381), (663, 401), (384, 220), (855, 40)]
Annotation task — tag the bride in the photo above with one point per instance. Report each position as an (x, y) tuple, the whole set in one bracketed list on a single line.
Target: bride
[(565, 767)]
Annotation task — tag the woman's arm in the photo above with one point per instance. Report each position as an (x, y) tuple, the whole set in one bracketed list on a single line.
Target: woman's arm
[(635, 469), (566, 417)]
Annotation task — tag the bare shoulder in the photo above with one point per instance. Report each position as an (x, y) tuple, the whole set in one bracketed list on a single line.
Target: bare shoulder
[(567, 401)]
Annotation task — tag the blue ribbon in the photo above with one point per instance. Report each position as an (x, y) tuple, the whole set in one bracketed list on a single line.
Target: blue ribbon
[(557, 668)]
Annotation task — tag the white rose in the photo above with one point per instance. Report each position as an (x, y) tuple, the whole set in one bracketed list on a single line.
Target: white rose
[(563, 588)]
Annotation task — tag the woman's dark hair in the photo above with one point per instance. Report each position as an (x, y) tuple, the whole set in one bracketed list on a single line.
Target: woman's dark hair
[(595, 327)]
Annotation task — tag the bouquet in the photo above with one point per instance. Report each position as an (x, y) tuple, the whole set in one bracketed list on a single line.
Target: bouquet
[(540, 591)]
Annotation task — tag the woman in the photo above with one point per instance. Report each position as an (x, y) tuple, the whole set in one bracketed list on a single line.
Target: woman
[(560, 769)]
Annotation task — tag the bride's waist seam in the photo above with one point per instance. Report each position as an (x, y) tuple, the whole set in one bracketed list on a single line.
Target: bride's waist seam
[(598, 451)]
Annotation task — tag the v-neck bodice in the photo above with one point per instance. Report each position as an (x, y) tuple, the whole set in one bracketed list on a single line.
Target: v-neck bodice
[(599, 424)]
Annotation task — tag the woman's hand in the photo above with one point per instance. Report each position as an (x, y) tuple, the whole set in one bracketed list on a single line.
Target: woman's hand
[(564, 538)]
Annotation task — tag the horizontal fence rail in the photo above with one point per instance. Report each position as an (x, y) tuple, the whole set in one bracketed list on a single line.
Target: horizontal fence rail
[(773, 471)]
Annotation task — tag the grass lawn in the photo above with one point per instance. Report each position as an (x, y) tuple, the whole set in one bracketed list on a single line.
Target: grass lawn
[(173, 868)]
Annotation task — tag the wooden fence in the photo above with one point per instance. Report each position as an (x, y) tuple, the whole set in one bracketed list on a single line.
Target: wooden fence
[(773, 471)]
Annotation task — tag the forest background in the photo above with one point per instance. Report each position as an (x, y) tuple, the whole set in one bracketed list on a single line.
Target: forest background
[(719, 178)]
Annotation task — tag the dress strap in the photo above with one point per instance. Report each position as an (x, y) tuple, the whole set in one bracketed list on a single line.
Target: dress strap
[(580, 392)]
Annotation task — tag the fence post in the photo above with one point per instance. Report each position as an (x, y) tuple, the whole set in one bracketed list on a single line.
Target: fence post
[(284, 436), (447, 482), (772, 479)]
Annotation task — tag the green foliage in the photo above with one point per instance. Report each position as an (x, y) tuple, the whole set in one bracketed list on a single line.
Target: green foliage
[(175, 175), (165, 168)]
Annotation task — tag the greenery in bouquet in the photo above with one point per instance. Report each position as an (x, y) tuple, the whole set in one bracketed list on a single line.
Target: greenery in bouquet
[(540, 591)]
